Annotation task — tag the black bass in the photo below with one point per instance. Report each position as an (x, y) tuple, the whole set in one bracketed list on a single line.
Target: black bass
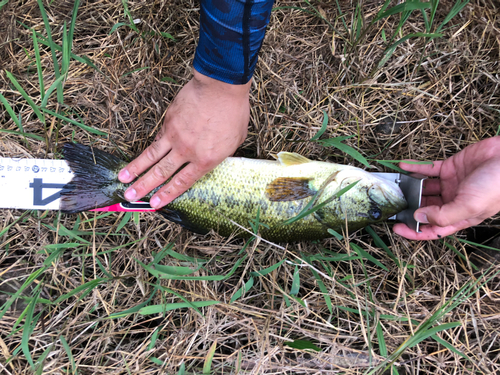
[(239, 189)]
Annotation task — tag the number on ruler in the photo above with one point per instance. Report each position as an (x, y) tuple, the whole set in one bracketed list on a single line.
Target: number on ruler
[(38, 187)]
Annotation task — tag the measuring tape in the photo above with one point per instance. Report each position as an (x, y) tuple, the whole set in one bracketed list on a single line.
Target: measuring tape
[(36, 184)]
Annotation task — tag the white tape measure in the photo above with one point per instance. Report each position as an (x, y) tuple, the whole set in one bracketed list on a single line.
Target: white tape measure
[(32, 183), (36, 184)]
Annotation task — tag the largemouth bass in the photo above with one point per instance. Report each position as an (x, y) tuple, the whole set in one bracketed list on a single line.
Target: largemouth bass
[(240, 189)]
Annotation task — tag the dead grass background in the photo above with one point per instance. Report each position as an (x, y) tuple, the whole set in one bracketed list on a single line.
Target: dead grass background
[(445, 96)]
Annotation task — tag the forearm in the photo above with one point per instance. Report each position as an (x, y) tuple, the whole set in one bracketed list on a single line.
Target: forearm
[(231, 34)]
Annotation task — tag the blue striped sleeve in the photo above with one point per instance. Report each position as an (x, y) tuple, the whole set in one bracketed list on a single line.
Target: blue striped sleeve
[(231, 34)]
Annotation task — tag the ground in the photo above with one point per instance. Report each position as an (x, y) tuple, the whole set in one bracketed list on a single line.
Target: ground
[(91, 299)]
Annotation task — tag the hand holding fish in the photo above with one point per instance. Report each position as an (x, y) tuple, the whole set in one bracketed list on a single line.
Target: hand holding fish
[(465, 193), (204, 125)]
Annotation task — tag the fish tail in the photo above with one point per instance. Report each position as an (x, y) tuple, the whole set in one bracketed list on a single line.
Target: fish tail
[(95, 183)]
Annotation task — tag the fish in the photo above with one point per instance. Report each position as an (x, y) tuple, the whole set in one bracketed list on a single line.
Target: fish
[(266, 195)]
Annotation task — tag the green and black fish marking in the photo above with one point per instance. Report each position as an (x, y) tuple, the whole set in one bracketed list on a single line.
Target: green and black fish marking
[(238, 188)]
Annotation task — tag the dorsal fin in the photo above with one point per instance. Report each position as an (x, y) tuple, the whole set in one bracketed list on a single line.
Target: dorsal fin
[(291, 158)]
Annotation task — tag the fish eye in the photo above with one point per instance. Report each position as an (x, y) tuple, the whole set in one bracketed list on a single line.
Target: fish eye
[(375, 213)]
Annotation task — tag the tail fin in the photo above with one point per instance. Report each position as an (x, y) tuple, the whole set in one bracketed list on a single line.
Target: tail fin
[(95, 183)]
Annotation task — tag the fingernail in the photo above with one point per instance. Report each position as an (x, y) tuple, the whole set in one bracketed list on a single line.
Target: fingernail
[(124, 175), (421, 217), (130, 194), (155, 202)]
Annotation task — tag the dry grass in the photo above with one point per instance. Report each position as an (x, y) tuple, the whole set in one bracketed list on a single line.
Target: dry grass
[(445, 94)]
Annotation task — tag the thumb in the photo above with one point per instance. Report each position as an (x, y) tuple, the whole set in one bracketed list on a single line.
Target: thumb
[(451, 213)]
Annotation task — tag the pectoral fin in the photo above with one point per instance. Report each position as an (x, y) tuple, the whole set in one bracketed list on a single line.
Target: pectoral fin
[(285, 189)]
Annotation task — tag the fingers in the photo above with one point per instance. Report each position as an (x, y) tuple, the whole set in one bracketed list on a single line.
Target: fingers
[(157, 175), (431, 201), (432, 170), (444, 219), (150, 156), (447, 214), (181, 182), (429, 232), (432, 187)]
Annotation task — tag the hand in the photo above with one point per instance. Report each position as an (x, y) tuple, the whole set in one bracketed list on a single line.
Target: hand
[(205, 124), (466, 192)]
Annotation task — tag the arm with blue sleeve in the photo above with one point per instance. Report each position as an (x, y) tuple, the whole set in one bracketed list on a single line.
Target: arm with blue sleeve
[(231, 34), (208, 119)]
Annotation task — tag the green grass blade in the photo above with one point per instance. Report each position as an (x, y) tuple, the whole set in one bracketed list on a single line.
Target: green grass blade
[(323, 127), (378, 241), (135, 70), (158, 309), (390, 50), (124, 221), (134, 309), (457, 8), (434, 6), (242, 290), (51, 44), (407, 6), (450, 347), (167, 35), (74, 122), (129, 16), (26, 97), (41, 359), (421, 336), (29, 325), (175, 270), (70, 354), (87, 287), (323, 290), (477, 244), (53, 256), (362, 253), (335, 142), (3, 3), (381, 340), (72, 24), (335, 234), (302, 345), (11, 112), (52, 87), (267, 270), (460, 255), (66, 51), (165, 276), (207, 365), (116, 26), (307, 210), (392, 166), (38, 64), (294, 290), (154, 338), (28, 282)]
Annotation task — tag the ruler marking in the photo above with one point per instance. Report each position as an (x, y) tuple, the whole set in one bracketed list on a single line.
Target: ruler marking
[(24, 182)]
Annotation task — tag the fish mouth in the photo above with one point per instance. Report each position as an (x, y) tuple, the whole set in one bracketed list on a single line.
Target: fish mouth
[(389, 196), (394, 196)]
